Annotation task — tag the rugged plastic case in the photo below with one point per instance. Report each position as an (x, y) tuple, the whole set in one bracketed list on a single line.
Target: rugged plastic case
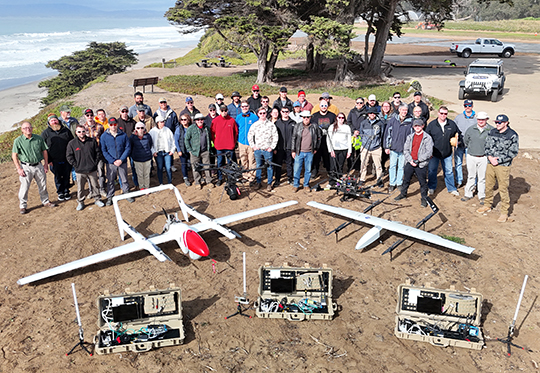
[(141, 321), (440, 317), (295, 294)]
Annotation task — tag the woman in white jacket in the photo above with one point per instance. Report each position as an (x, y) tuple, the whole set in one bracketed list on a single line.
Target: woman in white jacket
[(163, 148), (340, 146)]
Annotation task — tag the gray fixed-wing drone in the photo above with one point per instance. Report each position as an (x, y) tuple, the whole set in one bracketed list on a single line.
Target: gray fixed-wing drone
[(187, 236)]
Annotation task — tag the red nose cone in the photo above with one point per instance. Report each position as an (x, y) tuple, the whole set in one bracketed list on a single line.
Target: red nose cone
[(195, 243)]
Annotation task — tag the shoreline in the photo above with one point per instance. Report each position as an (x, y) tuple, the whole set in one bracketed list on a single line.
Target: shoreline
[(24, 101)]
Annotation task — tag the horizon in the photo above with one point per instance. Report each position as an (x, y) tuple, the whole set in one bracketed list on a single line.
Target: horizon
[(100, 5)]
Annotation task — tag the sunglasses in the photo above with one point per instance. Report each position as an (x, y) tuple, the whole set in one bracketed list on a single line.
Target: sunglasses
[(255, 90), (443, 113), (468, 105), (264, 102), (262, 112), (113, 124), (211, 109), (245, 106), (139, 128), (397, 96), (220, 99), (81, 131), (359, 102), (88, 115), (497, 122), (183, 120), (124, 111), (340, 117)]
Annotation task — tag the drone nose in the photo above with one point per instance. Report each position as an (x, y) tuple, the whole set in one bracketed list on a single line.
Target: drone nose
[(195, 243)]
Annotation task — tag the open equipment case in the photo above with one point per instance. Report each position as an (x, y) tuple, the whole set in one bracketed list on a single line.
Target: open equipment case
[(440, 317), (296, 294), (139, 322)]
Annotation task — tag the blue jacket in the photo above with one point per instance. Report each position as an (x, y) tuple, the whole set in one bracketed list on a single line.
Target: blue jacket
[(244, 124), (114, 148), (141, 149), (179, 138), (171, 119), (396, 133), (233, 110), (371, 133)]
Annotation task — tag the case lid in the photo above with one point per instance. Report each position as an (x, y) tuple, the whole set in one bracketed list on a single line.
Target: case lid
[(286, 280)]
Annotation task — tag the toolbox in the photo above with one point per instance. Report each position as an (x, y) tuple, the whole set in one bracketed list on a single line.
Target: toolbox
[(440, 317), (139, 322), (295, 293)]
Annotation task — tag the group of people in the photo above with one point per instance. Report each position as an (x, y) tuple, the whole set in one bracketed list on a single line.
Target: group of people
[(296, 134)]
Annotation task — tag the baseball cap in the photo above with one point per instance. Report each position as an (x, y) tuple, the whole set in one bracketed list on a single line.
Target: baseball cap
[(198, 116), (89, 111), (305, 114), (163, 99), (255, 87), (189, 99), (482, 115), (417, 93), (296, 104), (283, 89), (212, 106), (65, 108), (501, 118), (325, 95), (159, 118), (418, 122), (372, 110), (372, 97), (113, 121), (223, 108), (51, 116), (467, 102), (219, 96), (141, 108), (123, 107), (236, 94)]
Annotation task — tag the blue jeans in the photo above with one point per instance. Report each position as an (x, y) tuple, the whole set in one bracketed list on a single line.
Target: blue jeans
[(260, 157), (222, 156), (458, 159), (395, 171), (164, 159), (305, 159), (433, 167)]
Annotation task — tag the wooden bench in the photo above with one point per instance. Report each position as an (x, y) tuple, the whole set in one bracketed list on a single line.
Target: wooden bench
[(144, 82), (163, 63)]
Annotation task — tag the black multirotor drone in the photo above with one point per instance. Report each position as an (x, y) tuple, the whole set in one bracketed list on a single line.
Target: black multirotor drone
[(349, 187)]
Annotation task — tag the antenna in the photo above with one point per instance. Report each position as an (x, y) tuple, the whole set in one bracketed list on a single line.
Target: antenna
[(243, 299), (81, 332)]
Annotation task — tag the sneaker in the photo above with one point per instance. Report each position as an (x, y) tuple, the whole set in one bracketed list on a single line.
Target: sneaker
[(465, 199), (503, 218), (80, 206), (296, 189), (391, 188), (276, 184), (290, 181), (109, 202), (130, 199), (484, 209), (257, 186), (61, 197), (459, 185), (430, 192), (218, 183), (308, 189), (174, 169), (423, 203), (269, 188), (455, 193), (67, 196), (481, 201), (23, 211), (49, 204), (99, 203), (186, 181), (400, 197), (103, 193), (198, 185)]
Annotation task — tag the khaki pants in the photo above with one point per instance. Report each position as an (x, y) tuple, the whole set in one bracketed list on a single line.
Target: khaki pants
[(33, 172), (375, 155), (501, 174), (247, 159), (93, 187), (142, 169)]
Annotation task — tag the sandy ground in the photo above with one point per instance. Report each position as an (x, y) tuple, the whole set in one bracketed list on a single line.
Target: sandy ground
[(37, 321)]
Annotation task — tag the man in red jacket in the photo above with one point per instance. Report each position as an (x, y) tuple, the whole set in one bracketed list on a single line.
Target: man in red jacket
[(224, 135)]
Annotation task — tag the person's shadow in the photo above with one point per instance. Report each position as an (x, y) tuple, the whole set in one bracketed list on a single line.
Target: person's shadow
[(516, 188)]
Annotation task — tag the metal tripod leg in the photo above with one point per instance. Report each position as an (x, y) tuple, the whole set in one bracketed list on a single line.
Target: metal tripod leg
[(239, 311)]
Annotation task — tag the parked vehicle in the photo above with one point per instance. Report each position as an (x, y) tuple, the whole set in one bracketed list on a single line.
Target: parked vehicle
[(484, 46), (483, 77)]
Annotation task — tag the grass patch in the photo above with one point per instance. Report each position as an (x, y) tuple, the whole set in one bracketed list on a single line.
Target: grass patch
[(101, 79), (39, 122), (453, 239)]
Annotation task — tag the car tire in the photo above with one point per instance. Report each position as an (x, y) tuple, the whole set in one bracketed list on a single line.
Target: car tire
[(459, 54), (507, 53), (466, 53), (494, 95), (461, 94)]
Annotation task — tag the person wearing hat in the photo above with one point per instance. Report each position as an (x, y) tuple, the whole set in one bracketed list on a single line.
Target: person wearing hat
[(263, 138), (304, 104), (57, 136), (198, 145), (502, 146), (163, 149), (179, 137), (234, 107), (245, 120), (190, 109), (254, 101), (95, 130), (395, 134), (224, 134), (127, 125), (141, 154), (372, 102), (83, 154), (417, 151), (445, 134), (101, 118), (323, 119), (139, 100), (283, 101), (417, 101), (141, 116), (219, 101), (331, 107), (371, 132), (306, 139), (463, 120), (67, 120), (28, 151), (475, 142), (295, 115), (171, 119), (282, 153), (116, 148), (357, 114)]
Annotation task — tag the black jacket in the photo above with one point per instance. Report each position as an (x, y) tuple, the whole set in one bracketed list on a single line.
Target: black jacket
[(57, 142), (83, 155), (356, 117), (296, 141), (279, 105), (285, 130), (441, 141), (425, 110)]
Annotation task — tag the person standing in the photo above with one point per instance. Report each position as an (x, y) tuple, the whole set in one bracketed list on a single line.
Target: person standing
[(234, 107), (224, 133), (263, 138), (282, 153), (395, 134), (116, 148), (331, 107), (57, 137), (83, 154), (190, 110), (127, 125), (27, 153), (254, 101), (417, 101), (139, 100), (502, 146), (305, 141), (371, 133), (396, 102), (141, 154), (197, 143), (324, 119), (141, 116), (295, 115), (304, 104), (475, 142), (67, 120), (183, 155), (245, 120), (463, 120), (417, 151), (162, 148), (357, 114), (340, 146), (445, 135), (101, 118), (283, 101)]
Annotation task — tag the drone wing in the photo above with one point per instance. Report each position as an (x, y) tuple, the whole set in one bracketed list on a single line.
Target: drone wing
[(380, 225)]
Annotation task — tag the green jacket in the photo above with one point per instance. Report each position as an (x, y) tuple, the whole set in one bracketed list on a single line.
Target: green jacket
[(193, 139)]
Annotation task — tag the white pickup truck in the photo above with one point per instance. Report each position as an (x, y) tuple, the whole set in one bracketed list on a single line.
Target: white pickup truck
[(484, 46)]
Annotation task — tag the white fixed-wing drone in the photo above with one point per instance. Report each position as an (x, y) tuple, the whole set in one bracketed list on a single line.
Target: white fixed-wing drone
[(381, 225), (187, 236)]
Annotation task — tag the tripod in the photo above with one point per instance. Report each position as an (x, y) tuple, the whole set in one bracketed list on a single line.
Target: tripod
[(81, 342), (243, 299)]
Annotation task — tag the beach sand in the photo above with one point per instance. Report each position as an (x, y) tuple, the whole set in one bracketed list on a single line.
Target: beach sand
[(23, 102)]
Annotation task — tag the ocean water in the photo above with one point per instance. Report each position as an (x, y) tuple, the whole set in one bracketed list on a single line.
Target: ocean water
[(27, 44)]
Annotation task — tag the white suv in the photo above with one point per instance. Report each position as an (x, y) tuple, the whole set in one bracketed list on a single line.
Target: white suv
[(483, 77)]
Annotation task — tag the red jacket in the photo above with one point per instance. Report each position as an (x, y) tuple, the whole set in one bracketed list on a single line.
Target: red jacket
[(224, 132)]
